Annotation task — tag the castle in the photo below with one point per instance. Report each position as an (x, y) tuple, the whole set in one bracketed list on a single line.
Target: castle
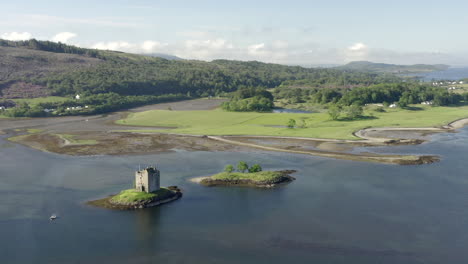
[(147, 180)]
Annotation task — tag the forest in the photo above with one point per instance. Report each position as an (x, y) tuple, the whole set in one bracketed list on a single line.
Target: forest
[(119, 80), (402, 93)]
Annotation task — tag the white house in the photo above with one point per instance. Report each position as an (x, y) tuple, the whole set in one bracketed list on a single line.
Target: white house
[(77, 97), (461, 82), (392, 106), (2, 108)]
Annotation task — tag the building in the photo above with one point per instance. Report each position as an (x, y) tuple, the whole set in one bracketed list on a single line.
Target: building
[(77, 97), (147, 180)]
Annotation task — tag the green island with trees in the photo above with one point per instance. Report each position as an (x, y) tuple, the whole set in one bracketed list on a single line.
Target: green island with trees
[(246, 176)]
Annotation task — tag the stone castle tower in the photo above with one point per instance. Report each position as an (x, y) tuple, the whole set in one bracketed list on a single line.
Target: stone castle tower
[(147, 180)]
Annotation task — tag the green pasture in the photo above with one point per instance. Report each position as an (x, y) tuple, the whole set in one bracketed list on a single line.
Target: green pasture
[(317, 125), (35, 101)]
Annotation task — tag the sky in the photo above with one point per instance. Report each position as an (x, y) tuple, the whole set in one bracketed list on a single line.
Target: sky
[(293, 32)]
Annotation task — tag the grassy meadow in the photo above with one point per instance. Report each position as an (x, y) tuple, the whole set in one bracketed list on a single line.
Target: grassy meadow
[(35, 101), (317, 125), (132, 195)]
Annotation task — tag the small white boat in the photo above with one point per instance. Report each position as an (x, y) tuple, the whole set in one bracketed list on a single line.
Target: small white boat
[(53, 217)]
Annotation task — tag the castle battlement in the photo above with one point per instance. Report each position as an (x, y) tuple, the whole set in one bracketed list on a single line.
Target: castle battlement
[(147, 180)]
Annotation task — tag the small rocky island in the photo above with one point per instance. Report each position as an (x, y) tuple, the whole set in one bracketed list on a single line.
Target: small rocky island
[(147, 193), (247, 177)]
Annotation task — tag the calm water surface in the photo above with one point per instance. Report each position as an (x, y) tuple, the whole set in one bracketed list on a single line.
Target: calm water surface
[(335, 212), (449, 74), (290, 111)]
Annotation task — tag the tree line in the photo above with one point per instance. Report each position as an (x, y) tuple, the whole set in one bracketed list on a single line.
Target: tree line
[(49, 46), (402, 93)]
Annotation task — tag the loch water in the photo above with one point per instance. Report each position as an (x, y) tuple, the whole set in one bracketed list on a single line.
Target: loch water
[(453, 73), (335, 212)]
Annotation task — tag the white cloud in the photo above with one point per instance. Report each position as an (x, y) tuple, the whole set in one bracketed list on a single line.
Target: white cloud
[(216, 44), (145, 47), (358, 47), (63, 37), (16, 36), (150, 46), (207, 49), (256, 49), (356, 52), (114, 45), (277, 52)]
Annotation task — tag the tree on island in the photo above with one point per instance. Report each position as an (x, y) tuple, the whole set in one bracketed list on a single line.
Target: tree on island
[(229, 168), (242, 166), (255, 168)]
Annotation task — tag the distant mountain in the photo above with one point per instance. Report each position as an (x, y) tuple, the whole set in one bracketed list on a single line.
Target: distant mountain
[(164, 56), (368, 66)]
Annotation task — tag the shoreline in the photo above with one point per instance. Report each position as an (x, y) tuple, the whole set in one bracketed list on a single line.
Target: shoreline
[(109, 138), (121, 143), (107, 204)]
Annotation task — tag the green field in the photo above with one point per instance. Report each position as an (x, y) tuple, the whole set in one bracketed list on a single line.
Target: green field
[(35, 101), (318, 125)]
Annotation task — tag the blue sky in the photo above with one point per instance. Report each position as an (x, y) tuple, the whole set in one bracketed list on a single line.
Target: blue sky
[(288, 32)]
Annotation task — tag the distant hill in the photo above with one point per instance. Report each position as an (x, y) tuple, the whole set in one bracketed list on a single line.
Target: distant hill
[(36, 68), (368, 66)]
